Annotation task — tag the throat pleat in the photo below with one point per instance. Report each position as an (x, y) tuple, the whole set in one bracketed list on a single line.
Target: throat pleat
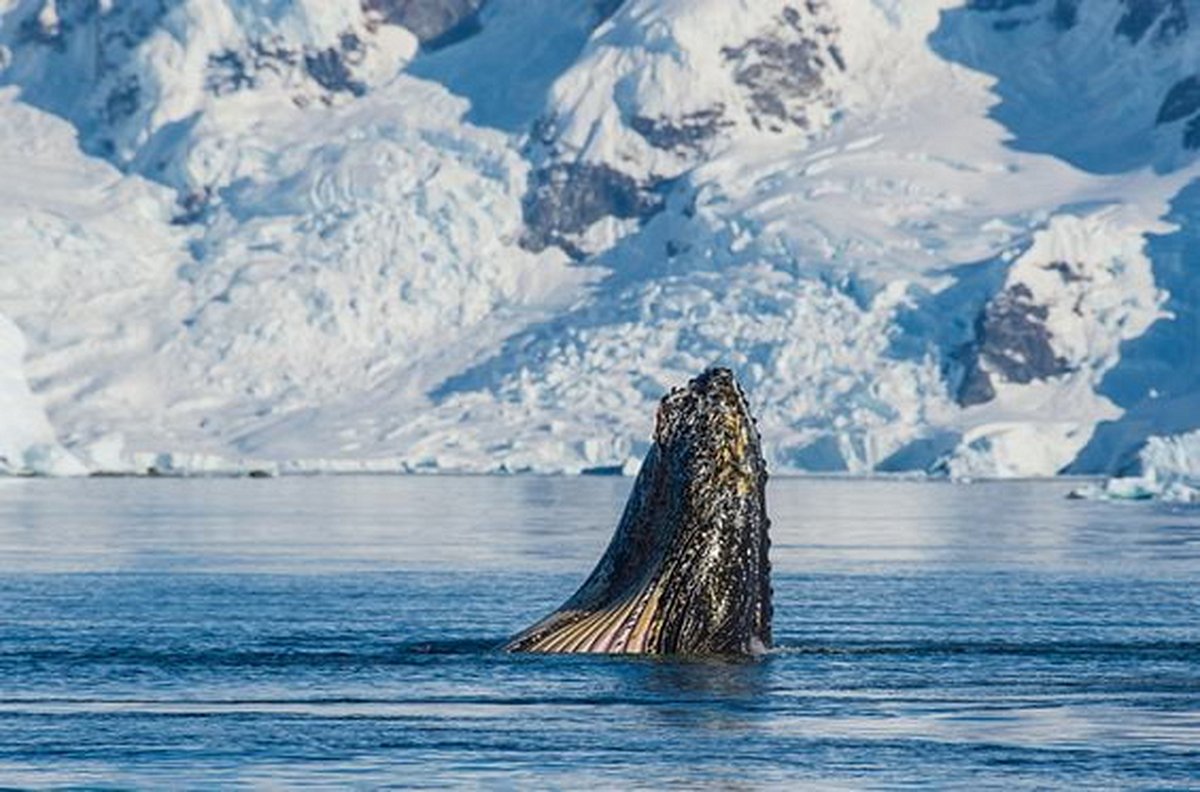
[(623, 626)]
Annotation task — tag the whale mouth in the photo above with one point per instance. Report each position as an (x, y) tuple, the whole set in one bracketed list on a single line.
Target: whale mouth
[(687, 570)]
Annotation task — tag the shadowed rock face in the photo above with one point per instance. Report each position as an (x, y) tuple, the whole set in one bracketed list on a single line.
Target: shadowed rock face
[(1012, 339), (563, 200), (691, 131), (687, 571), (783, 70)]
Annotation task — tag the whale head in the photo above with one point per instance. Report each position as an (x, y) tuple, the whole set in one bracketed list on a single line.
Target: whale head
[(687, 570)]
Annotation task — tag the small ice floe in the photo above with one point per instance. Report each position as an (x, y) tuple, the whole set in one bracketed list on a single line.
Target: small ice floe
[(1130, 488), (1170, 473), (1138, 488)]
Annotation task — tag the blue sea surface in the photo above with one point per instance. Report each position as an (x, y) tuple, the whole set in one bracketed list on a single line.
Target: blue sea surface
[(343, 632)]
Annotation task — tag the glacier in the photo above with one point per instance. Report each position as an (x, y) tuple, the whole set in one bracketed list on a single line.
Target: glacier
[(931, 237)]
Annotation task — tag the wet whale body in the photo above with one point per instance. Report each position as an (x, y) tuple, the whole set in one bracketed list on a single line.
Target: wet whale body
[(687, 571)]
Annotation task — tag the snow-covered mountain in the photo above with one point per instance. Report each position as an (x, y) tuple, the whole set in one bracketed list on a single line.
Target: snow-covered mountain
[(930, 236)]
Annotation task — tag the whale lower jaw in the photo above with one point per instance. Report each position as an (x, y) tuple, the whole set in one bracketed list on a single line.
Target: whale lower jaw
[(628, 626), (651, 617)]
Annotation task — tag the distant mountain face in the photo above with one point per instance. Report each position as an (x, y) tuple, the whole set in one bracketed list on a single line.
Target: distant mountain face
[(144, 81), (671, 86), (487, 234)]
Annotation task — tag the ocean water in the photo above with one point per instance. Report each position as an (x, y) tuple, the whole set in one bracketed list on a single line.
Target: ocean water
[(342, 631)]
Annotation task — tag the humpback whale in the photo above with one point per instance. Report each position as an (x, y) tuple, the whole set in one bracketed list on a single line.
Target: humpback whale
[(687, 570)]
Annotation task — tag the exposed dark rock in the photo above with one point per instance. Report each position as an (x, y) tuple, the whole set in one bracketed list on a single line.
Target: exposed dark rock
[(544, 130), (122, 100), (690, 131), (564, 200), (1181, 101), (227, 73), (194, 207), (782, 69), (272, 56), (675, 248), (352, 48), (1065, 271), (436, 23), (836, 54), (976, 386), (230, 71), (328, 68), (1140, 16), (1011, 341)]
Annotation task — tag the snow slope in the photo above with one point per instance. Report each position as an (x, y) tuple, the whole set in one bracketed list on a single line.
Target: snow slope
[(930, 236), (27, 441)]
